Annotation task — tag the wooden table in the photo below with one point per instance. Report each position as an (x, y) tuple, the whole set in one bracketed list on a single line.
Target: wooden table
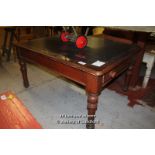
[(93, 67)]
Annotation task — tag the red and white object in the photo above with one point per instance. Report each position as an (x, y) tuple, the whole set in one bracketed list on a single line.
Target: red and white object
[(79, 40)]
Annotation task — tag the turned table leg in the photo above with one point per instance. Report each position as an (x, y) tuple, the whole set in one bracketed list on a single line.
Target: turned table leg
[(93, 89), (91, 107), (23, 69), (127, 80)]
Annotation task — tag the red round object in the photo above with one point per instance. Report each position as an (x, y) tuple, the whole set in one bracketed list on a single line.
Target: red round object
[(63, 36), (81, 42)]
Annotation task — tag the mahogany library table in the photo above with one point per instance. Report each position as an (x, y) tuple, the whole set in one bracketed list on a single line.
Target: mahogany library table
[(104, 59)]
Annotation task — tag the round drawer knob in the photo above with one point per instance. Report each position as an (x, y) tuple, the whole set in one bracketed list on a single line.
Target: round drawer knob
[(112, 74)]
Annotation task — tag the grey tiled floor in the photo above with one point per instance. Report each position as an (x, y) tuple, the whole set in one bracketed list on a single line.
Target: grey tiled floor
[(50, 96)]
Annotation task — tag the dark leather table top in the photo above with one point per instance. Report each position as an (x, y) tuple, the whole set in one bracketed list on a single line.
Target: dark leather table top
[(98, 49)]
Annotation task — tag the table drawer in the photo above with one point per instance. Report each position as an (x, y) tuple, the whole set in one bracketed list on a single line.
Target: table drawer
[(115, 72)]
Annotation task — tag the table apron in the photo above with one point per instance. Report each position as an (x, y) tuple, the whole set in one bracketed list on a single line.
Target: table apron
[(65, 70)]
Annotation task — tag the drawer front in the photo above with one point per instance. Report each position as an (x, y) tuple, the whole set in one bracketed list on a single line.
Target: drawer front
[(115, 72)]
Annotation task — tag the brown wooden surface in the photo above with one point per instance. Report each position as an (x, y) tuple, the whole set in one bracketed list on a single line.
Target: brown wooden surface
[(63, 58), (14, 115), (138, 35), (147, 29)]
